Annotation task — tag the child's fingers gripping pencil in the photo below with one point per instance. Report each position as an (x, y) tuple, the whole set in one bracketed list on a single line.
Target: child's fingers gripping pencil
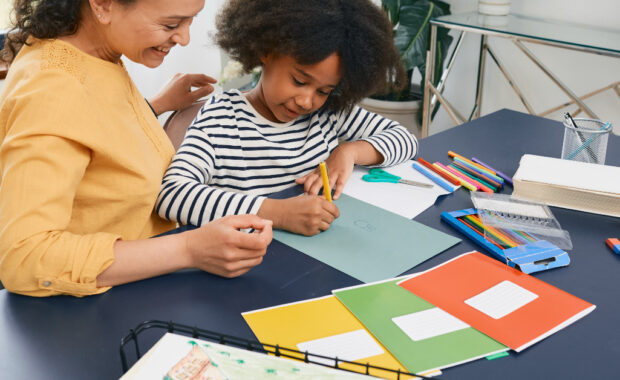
[(326, 190)]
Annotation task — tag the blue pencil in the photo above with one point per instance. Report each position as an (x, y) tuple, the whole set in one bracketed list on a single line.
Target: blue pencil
[(438, 180)]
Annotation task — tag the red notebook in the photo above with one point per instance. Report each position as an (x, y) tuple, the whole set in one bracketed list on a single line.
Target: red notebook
[(511, 307)]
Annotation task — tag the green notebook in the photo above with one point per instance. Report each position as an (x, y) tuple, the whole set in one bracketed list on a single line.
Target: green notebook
[(370, 243), (419, 335)]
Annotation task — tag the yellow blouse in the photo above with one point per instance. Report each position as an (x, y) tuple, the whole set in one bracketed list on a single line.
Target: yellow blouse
[(81, 162)]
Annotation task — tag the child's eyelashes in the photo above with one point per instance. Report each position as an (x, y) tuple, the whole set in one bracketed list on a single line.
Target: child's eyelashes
[(298, 82)]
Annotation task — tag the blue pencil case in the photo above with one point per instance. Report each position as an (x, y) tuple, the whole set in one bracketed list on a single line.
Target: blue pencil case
[(515, 248)]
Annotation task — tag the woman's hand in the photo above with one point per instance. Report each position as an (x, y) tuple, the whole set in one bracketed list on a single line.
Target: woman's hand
[(221, 248), (306, 214), (177, 93)]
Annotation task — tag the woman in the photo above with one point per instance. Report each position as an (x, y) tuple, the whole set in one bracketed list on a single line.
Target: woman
[(82, 155)]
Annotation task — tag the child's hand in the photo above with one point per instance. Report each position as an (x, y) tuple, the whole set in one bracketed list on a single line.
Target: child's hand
[(305, 214), (220, 248), (339, 167)]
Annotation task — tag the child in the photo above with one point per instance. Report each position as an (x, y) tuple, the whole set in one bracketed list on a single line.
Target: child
[(318, 58)]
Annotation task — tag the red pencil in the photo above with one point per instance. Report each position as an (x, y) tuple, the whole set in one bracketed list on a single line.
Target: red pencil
[(434, 169)]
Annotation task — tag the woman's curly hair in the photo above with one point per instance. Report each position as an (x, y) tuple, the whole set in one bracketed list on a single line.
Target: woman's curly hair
[(310, 31), (42, 19)]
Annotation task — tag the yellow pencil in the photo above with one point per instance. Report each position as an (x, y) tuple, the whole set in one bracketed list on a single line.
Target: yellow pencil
[(326, 190), (464, 183)]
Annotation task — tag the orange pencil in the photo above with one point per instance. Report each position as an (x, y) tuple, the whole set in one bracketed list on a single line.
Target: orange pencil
[(443, 175), (452, 154), (461, 176), (463, 182)]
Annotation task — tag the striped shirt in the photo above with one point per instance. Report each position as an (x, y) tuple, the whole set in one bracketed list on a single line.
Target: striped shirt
[(232, 157)]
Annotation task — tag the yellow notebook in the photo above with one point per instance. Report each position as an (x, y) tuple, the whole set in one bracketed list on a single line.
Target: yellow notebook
[(323, 326)]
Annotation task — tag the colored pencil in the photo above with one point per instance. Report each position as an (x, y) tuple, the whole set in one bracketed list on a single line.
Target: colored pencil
[(438, 180), (452, 154), (496, 232), (485, 173), (521, 235), (463, 183), (482, 186), (497, 172), (481, 178), (326, 190), (444, 175), (488, 231), (464, 178), (476, 230)]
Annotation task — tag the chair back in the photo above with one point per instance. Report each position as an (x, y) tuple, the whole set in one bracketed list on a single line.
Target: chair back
[(177, 123)]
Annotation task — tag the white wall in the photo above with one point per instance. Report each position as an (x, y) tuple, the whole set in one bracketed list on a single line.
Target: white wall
[(581, 72)]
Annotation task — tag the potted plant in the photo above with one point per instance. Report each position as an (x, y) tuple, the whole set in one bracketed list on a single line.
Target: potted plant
[(411, 22)]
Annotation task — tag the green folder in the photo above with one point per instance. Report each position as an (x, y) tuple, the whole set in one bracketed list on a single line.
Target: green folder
[(375, 305), (370, 243)]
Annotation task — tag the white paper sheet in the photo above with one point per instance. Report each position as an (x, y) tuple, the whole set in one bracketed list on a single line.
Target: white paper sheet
[(401, 199), (501, 299), (428, 323), (351, 346), (233, 363)]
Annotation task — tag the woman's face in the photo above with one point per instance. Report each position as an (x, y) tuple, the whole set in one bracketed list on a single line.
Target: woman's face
[(290, 89), (145, 30)]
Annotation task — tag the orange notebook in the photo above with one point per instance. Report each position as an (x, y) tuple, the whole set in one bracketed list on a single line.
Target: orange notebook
[(511, 307)]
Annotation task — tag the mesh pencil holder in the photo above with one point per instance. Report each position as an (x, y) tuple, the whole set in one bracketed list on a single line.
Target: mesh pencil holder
[(587, 142)]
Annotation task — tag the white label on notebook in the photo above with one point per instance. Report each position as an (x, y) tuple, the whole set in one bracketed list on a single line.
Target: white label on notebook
[(501, 300), (428, 323), (349, 346)]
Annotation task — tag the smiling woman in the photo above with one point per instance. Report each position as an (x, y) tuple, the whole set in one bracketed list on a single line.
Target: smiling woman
[(82, 154)]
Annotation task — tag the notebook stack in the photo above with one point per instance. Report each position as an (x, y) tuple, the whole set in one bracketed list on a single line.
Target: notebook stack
[(569, 184)]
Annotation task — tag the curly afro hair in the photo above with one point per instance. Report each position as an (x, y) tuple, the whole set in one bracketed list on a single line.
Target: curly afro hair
[(311, 30)]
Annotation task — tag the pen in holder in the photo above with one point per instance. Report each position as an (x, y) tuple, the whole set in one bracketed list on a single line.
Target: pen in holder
[(585, 140)]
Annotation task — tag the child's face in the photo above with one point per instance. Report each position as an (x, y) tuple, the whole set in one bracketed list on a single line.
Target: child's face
[(288, 89)]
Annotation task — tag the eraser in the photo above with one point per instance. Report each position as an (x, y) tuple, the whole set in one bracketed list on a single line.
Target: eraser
[(614, 245)]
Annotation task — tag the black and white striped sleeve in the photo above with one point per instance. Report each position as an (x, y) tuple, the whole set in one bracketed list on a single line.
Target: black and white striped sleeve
[(391, 139), (185, 196)]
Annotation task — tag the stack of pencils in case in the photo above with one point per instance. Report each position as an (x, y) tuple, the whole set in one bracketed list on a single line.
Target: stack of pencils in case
[(503, 238), (473, 174)]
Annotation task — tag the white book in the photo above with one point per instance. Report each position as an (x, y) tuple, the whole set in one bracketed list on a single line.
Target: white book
[(569, 184)]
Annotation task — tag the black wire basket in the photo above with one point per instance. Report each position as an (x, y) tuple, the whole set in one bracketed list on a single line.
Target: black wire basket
[(256, 346)]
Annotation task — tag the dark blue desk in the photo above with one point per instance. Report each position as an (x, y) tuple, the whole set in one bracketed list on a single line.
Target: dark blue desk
[(70, 338)]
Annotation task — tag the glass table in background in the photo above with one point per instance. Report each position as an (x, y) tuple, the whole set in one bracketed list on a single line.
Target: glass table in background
[(519, 29)]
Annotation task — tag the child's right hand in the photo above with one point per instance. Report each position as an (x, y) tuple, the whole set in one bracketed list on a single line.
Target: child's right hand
[(305, 214)]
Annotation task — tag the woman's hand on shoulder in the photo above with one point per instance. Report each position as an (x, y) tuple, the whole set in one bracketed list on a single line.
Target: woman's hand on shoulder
[(219, 247), (178, 94), (305, 214)]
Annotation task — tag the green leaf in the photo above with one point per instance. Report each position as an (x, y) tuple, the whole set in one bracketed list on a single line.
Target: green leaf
[(412, 32), (392, 8)]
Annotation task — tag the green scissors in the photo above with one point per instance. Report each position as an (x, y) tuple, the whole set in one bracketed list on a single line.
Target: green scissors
[(380, 175)]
